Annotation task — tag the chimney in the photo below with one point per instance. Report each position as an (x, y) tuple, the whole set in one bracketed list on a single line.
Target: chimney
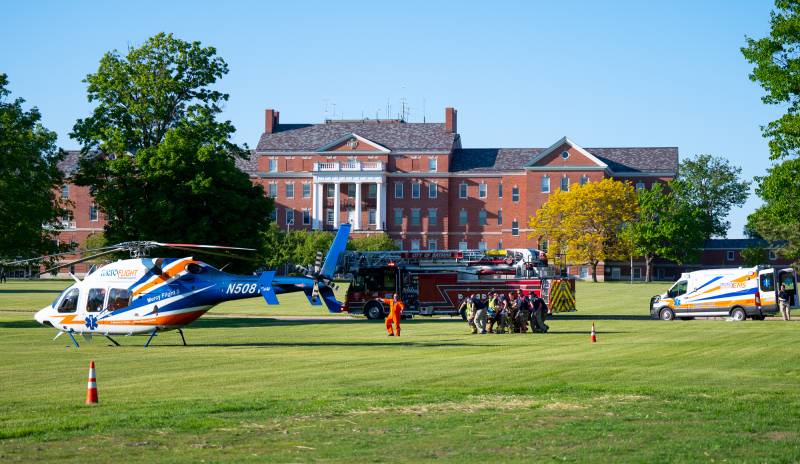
[(450, 116), (271, 120)]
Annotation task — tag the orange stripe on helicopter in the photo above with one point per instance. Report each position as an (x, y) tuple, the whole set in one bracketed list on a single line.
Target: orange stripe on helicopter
[(174, 319), (168, 274)]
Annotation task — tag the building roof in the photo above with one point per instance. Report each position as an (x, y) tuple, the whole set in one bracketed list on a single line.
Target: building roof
[(69, 164), (738, 243), (619, 160), (394, 135)]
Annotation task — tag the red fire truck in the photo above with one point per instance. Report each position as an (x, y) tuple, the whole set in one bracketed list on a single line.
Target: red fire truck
[(435, 282)]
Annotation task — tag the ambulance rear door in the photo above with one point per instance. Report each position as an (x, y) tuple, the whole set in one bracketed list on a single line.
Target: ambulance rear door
[(788, 278)]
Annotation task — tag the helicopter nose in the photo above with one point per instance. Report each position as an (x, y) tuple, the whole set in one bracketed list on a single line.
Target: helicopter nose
[(41, 317)]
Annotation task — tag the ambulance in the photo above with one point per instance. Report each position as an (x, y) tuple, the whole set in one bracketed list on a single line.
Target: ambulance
[(737, 293)]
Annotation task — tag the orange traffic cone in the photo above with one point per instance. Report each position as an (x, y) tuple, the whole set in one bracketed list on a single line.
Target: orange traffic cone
[(594, 334), (91, 389)]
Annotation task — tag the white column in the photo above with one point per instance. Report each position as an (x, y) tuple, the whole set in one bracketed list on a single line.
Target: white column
[(314, 207), (357, 224), (380, 206), (336, 200)]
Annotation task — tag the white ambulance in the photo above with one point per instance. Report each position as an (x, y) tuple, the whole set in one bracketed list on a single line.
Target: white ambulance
[(736, 292)]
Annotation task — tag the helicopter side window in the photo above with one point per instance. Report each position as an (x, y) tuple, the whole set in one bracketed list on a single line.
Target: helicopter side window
[(118, 298), (69, 304), (95, 300)]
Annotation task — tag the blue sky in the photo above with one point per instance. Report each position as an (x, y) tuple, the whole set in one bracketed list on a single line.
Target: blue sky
[(521, 74)]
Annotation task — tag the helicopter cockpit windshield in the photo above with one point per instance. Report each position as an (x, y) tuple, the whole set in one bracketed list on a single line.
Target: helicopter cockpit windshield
[(67, 302)]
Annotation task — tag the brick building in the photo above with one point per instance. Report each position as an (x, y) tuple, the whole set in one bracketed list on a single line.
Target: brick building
[(413, 181)]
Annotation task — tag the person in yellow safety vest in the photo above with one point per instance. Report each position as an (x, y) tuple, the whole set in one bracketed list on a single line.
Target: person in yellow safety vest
[(396, 307), (468, 303)]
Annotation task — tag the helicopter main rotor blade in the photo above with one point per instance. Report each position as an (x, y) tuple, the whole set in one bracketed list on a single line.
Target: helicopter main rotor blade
[(55, 255), (216, 254), (87, 258), (192, 245)]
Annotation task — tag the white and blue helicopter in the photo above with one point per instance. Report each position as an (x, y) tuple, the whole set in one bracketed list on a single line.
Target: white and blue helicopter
[(144, 296)]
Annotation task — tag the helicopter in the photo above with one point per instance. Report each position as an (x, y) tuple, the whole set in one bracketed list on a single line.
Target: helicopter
[(144, 296)]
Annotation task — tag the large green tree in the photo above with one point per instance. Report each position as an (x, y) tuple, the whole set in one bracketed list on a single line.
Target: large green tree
[(666, 227), (776, 67), (714, 186), (29, 178), (160, 164)]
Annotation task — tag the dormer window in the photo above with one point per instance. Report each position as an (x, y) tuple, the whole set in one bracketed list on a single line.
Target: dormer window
[(353, 143)]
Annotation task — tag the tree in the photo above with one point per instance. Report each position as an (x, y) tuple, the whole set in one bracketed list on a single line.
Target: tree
[(755, 255), (166, 167), (379, 242), (29, 178), (713, 185), (666, 227), (775, 67), (585, 222)]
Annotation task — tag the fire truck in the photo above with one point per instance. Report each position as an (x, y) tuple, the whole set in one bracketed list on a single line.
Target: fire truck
[(433, 282)]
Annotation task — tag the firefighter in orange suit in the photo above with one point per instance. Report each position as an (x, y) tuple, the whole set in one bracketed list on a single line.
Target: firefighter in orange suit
[(396, 308)]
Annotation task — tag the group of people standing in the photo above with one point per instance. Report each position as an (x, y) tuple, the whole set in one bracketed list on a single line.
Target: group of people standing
[(501, 313)]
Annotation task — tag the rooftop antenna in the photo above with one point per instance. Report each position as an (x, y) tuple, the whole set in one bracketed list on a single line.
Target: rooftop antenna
[(388, 109), (334, 110), (325, 111), (423, 110)]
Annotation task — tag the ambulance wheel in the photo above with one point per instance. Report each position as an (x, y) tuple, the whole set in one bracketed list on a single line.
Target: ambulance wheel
[(373, 310), (738, 314), (666, 314)]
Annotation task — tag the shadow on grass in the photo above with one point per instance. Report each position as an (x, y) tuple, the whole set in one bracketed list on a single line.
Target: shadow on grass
[(597, 317), (328, 344), (231, 322), (23, 324)]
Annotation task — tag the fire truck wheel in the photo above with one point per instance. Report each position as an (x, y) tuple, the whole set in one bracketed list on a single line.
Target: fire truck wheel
[(373, 310)]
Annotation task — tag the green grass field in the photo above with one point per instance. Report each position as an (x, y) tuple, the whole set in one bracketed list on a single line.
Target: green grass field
[(255, 388)]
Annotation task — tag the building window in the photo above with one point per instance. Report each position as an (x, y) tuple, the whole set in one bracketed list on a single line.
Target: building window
[(398, 244), (730, 255), (306, 190), (415, 244), (500, 190), (500, 245), (432, 245), (290, 190), (772, 255), (482, 246), (463, 246), (500, 217), (433, 190), (273, 165), (65, 191), (637, 273), (462, 190), (415, 217), (482, 217), (515, 194), (398, 216), (274, 215), (482, 189), (371, 218), (433, 164), (462, 217), (543, 245), (331, 190), (93, 212), (415, 188), (306, 217), (272, 190), (583, 273), (545, 184), (351, 190), (432, 217), (372, 191), (564, 154), (565, 184), (515, 227), (398, 190), (640, 185), (329, 216), (289, 217), (584, 179)]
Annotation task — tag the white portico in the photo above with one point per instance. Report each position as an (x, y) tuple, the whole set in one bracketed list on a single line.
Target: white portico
[(337, 173)]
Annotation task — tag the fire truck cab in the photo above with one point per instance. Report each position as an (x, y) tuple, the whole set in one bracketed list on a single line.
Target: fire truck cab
[(434, 282)]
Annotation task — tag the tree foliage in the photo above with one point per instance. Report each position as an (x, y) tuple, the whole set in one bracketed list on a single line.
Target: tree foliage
[(666, 227), (377, 242), (297, 247), (776, 67), (713, 185), (755, 255), (160, 165), (29, 178), (585, 222)]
